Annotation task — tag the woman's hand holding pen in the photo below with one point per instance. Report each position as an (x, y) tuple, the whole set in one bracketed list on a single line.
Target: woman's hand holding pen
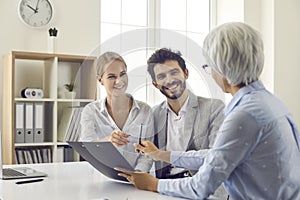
[(148, 149), (119, 138)]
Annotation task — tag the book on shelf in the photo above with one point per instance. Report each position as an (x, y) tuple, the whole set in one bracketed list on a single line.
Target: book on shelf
[(68, 154), (39, 155), (69, 126), (33, 155), (65, 154), (73, 135), (65, 122), (60, 154)]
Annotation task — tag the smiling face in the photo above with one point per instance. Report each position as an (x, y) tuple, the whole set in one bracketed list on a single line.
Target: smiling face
[(170, 79), (115, 79)]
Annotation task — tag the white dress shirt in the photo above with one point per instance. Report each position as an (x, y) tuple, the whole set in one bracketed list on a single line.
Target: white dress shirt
[(96, 124), (176, 129)]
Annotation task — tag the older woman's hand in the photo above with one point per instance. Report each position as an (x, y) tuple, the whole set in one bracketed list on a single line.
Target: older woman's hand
[(140, 180)]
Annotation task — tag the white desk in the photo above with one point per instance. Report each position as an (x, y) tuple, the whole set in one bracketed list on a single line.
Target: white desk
[(76, 180)]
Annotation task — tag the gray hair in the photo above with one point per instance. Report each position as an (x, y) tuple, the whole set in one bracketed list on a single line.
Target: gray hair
[(105, 59), (236, 52)]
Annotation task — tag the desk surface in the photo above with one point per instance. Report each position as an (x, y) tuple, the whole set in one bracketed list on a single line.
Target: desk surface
[(75, 180)]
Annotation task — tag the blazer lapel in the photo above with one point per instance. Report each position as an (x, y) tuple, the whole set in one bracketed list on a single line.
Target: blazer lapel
[(190, 119), (161, 126)]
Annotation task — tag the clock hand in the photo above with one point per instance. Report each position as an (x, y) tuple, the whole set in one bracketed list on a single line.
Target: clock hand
[(35, 11), (37, 5)]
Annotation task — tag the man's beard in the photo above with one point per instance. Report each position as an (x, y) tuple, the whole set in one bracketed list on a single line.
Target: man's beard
[(181, 85)]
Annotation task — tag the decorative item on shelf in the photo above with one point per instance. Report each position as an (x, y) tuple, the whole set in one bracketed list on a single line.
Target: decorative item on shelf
[(32, 93), (70, 93), (52, 40)]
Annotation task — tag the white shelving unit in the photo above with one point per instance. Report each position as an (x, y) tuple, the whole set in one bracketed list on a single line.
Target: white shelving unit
[(49, 72)]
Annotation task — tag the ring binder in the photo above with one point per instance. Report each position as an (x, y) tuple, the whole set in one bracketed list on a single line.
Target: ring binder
[(19, 123), (38, 116), (28, 122)]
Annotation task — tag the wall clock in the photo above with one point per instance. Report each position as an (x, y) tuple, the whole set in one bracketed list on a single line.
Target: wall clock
[(35, 13)]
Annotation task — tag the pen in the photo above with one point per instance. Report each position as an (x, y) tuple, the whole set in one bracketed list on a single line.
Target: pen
[(29, 181), (140, 138)]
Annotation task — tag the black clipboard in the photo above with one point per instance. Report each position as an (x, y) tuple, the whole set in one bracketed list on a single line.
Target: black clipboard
[(103, 156)]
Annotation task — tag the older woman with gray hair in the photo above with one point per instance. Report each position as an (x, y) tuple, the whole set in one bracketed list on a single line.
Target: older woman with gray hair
[(118, 117), (256, 154)]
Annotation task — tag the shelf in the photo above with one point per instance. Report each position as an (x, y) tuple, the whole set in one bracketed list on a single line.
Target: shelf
[(52, 100), (34, 100), (62, 143), (45, 56), (34, 144), (75, 100), (49, 72)]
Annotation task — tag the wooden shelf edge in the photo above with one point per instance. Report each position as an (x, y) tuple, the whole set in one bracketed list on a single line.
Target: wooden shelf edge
[(34, 144)]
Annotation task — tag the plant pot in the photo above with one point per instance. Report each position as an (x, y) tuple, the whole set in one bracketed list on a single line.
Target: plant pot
[(70, 95)]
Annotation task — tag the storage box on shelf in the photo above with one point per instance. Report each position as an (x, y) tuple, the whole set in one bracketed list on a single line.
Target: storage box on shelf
[(49, 72)]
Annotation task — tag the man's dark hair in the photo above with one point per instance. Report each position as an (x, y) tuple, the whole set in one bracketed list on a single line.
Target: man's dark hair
[(162, 55)]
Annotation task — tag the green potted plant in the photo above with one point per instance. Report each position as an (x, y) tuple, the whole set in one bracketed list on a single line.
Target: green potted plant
[(70, 93)]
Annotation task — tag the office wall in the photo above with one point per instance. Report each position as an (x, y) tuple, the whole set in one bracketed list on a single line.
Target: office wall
[(278, 23), (77, 22), (287, 53)]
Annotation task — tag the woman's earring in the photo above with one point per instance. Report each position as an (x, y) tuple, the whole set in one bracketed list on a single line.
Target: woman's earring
[(99, 79)]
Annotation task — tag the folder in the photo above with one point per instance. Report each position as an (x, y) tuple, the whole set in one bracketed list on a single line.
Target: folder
[(19, 123), (68, 154), (39, 155), (28, 122), (38, 116), (65, 123), (60, 154)]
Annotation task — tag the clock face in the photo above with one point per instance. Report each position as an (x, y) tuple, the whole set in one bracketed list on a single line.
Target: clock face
[(35, 13)]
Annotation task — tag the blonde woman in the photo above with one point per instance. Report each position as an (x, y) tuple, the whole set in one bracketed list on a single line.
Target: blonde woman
[(118, 117)]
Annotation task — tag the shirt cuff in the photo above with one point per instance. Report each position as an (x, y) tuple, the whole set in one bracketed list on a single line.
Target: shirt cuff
[(161, 186), (174, 157)]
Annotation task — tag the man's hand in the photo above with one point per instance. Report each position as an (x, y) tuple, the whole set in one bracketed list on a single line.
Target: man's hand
[(119, 138), (148, 149), (140, 180)]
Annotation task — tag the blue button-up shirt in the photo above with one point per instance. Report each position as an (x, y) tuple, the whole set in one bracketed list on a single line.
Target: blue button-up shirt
[(256, 153)]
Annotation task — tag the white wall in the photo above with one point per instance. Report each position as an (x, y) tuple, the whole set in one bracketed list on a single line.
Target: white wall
[(77, 22), (229, 11), (260, 15), (287, 54), (280, 28), (278, 22)]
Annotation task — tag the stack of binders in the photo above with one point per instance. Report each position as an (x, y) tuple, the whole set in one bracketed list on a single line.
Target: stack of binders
[(29, 122), (25, 155)]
